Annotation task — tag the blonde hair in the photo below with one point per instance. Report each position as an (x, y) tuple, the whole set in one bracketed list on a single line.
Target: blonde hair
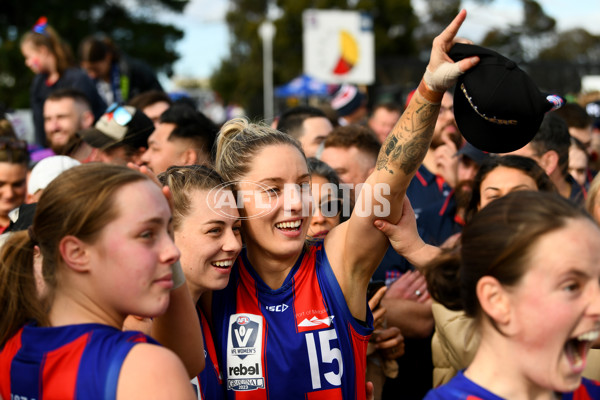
[(182, 181), (238, 142), (593, 195), (79, 202)]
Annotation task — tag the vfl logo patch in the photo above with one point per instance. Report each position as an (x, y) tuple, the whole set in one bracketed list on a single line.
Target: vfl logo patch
[(244, 352)]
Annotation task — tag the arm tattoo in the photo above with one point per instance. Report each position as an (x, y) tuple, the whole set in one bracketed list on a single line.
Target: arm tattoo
[(408, 143)]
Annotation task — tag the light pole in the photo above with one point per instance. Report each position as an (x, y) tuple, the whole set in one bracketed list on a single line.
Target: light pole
[(267, 32)]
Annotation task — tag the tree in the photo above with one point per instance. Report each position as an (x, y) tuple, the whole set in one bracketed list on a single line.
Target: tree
[(239, 78), (131, 24)]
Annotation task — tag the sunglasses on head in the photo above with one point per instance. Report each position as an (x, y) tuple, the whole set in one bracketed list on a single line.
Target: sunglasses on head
[(119, 114)]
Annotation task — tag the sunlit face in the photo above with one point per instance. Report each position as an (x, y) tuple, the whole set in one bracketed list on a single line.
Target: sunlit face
[(326, 202), (556, 302), (36, 57), (501, 181), (209, 240), (133, 255), (382, 122), (62, 119), (13, 186), (578, 163), (162, 152), (315, 130), (446, 124), (284, 190)]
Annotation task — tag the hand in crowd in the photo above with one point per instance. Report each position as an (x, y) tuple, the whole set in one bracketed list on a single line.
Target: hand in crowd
[(410, 286), (389, 342)]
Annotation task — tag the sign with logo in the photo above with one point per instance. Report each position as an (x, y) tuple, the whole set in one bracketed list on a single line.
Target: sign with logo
[(339, 46), (244, 352)]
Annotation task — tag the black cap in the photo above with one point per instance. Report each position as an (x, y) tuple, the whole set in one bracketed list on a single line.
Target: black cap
[(497, 106)]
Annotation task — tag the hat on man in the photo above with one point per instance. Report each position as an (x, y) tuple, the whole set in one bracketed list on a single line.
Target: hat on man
[(497, 106), (347, 99), (46, 170), (119, 125)]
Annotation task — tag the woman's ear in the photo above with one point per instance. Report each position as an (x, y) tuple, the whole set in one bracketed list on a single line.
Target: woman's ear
[(75, 253), (494, 301)]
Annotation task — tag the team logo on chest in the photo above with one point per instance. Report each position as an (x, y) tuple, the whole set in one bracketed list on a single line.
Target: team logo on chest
[(244, 352)]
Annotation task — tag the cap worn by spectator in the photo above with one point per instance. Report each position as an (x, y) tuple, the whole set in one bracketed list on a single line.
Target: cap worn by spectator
[(346, 100), (468, 150), (119, 125), (46, 170), (497, 106)]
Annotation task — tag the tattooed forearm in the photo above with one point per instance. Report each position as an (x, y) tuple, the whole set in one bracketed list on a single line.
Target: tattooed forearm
[(409, 141)]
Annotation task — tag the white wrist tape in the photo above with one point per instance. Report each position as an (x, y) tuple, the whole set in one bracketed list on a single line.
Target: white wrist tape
[(443, 78)]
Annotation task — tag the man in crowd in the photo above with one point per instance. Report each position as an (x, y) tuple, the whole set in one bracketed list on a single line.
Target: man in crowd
[(184, 136), (383, 118), (307, 124), (550, 149), (66, 111)]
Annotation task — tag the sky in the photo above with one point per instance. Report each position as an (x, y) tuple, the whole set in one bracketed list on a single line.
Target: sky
[(206, 37)]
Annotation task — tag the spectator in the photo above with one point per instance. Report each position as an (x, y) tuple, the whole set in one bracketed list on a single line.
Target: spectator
[(117, 76), (351, 151), (383, 119), (307, 124), (14, 160), (350, 105), (152, 103), (550, 149), (51, 60), (579, 160), (66, 111), (120, 136), (183, 137)]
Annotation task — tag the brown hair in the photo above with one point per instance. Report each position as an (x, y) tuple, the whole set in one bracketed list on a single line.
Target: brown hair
[(79, 202), (183, 181), (52, 41), (497, 242), (354, 135), (239, 141)]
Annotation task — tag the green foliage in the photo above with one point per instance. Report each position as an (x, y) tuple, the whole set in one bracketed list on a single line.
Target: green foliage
[(131, 24)]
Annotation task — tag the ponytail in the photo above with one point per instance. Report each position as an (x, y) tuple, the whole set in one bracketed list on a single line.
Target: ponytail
[(19, 299)]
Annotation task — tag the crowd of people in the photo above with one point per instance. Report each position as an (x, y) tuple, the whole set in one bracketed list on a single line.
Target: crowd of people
[(337, 253)]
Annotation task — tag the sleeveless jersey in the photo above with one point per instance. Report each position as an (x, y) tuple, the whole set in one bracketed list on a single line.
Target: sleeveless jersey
[(66, 362), (208, 385), (462, 388), (297, 342)]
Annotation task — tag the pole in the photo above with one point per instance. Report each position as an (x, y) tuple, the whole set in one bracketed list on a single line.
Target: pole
[(267, 32)]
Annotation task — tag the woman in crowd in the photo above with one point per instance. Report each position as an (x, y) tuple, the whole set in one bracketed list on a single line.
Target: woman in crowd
[(528, 272), (53, 64), (293, 321), (14, 161), (106, 253), (208, 235), (501, 175)]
